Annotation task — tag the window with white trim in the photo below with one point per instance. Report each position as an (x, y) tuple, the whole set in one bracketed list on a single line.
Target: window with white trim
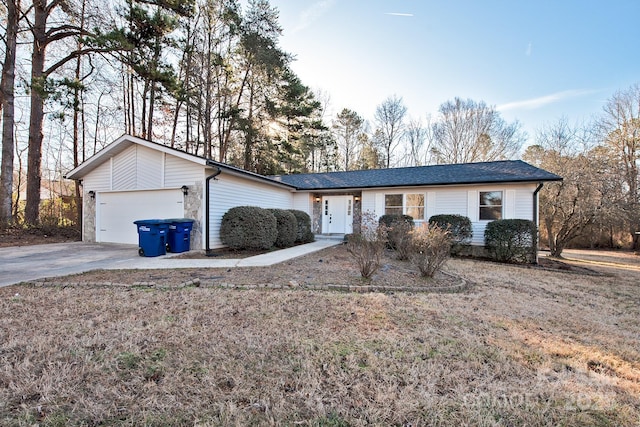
[(414, 206), (490, 205), (411, 204), (393, 204)]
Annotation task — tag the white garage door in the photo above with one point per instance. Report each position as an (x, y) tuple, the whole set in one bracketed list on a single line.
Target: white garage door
[(116, 212)]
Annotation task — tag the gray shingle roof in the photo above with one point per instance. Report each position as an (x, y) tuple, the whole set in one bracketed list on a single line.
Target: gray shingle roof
[(466, 173)]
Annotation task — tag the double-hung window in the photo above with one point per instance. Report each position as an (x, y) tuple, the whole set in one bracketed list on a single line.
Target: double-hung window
[(393, 204), (414, 206), (490, 205), (411, 204)]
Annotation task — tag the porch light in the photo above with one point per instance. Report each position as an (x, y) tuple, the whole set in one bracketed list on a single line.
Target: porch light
[(357, 198), (318, 199), (185, 190), (92, 194)]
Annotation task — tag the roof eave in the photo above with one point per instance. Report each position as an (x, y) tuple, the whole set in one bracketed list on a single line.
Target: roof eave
[(436, 184), (250, 175)]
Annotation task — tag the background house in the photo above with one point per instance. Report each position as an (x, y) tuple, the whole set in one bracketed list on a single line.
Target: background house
[(133, 179)]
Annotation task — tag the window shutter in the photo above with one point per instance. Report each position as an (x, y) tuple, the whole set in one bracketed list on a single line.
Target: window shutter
[(431, 204), (473, 205), (509, 204), (379, 207)]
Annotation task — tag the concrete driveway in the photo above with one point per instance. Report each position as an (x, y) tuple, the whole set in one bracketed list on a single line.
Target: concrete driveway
[(24, 263)]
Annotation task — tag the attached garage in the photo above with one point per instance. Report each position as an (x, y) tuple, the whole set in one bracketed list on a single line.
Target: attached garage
[(116, 211), (133, 179)]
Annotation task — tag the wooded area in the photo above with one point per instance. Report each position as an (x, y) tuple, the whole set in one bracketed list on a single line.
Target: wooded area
[(209, 77)]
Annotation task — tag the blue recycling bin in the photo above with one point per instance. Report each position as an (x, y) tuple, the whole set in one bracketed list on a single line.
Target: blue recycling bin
[(179, 234), (152, 236)]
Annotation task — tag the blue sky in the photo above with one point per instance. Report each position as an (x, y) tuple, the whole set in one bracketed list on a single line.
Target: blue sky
[(535, 60)]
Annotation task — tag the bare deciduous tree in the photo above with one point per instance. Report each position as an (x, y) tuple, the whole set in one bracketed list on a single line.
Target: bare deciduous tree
[(389, 119), (8, 111), (468, 131), (570, 207), (619, 128)]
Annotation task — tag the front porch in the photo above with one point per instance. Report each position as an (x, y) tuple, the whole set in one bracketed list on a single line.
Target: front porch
[(336, 214)]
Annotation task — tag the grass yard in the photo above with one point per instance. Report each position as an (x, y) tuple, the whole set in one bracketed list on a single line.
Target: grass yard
[(523, 347)]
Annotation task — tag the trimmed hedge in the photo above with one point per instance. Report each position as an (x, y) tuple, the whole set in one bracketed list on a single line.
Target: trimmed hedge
[(248, 227), (511, 240), (304, 233), (459, 227), (287, 226)]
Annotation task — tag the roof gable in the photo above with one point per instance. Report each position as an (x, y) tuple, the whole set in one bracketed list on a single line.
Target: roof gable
[(455, 174), (121, 144), (126, 141)]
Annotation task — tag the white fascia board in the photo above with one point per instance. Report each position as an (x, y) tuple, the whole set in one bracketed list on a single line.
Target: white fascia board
[(121, 144)]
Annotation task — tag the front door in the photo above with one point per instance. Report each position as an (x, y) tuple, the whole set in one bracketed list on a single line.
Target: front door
[(337, 214)]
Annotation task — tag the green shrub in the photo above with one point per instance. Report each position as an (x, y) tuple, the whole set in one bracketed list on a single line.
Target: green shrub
[(511, 240), (430, 248), (388, 220), (304, 233), (287, 226), (248, 227), (459, 227)]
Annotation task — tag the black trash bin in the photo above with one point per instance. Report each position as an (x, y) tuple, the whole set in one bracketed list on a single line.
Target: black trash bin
[(152, 236), (179, 234)]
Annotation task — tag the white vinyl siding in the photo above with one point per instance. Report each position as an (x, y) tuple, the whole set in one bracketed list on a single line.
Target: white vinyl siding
[(303, 202), (229, 191), (523, 203), (368, 201), (460, 200), (179, 172), (99, 179), (452, 202), (124, 169), (141, 168), (149, 168)]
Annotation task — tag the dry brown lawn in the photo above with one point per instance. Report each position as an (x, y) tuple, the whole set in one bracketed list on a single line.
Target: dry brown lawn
[(522, 347)]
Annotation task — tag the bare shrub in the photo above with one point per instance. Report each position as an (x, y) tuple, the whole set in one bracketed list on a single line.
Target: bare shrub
[(398, 238), (368, 246), (430, 248)]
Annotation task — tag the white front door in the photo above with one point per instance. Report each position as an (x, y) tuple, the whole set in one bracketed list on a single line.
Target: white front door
[(337, 214)]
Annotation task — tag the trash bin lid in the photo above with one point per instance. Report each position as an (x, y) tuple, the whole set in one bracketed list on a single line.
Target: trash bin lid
[(180, 220), (151, 221)]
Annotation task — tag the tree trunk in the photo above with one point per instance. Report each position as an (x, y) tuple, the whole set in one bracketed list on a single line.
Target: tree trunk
[(34, 156), (76, 125), (8, 113)]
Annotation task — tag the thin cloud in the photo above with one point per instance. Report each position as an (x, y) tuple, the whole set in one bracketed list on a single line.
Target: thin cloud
[(529, 49), (542, 101), (398, 14), (312, 13)]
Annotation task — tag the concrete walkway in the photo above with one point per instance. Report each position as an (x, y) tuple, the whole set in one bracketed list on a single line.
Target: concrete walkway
[(264, 260), (26, 263)]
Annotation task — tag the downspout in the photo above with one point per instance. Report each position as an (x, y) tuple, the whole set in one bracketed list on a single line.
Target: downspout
[(207, 214), (535, 219)]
